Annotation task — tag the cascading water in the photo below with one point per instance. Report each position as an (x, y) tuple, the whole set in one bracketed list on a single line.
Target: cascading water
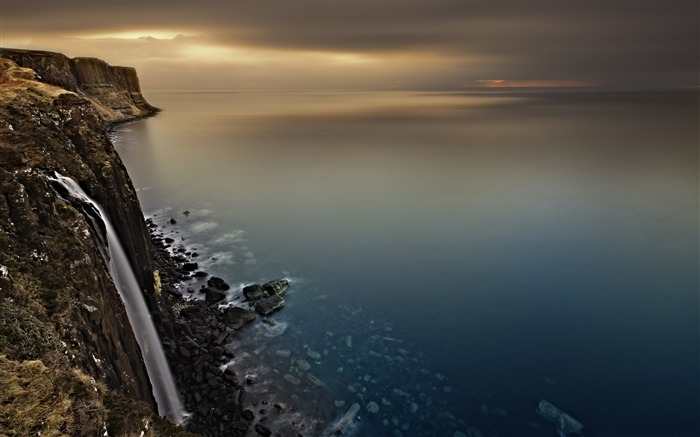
[(164, 389)]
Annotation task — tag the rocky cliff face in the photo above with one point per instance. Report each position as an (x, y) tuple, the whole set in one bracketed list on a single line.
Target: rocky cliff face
[(61, 318), (114, 91)]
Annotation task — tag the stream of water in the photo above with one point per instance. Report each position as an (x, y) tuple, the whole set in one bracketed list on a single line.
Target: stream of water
[(162, 381)]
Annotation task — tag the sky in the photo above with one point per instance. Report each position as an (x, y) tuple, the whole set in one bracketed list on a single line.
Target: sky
[(371, 44)]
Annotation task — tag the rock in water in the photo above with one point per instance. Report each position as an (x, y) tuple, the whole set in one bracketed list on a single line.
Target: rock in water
[(372, 407), (347, 419), (253, 292), (235, 317), (315, 380), (269, 304), (276, 287), (213, 296), (292, 379), (303, 365), (217, 283), (263, 430), (565, 422)]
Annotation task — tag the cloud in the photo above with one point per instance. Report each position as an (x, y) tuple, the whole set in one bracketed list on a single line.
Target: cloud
[(421, 44)]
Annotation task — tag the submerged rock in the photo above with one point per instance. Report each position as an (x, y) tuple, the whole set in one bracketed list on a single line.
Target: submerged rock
[(303, 365), (347, 419), (372, 407), (284, 353), (565, 422), (315, 380), (292, 379)]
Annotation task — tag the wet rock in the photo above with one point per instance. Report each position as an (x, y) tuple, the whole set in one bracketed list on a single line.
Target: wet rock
[(303, 365), (315, 380), (284, 353), (279, 406), (277, 287), (313, 355), (235, 317), (554, 414), (250, 380), (172, 290), (372, 407), (213, 296), (200, 274), (292, 379), (269, 304), (263, 430), (217, 283), (253, 292), (248, 415), (190, 267), (172, 221), (347, 419)]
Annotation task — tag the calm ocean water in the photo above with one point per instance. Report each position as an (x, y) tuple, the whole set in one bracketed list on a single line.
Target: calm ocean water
[(481, 251)]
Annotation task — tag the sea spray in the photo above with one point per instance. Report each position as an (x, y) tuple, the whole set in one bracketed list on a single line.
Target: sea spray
[(162, 381)]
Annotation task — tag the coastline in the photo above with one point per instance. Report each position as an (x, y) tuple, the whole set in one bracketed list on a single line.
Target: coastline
[(197, 340)]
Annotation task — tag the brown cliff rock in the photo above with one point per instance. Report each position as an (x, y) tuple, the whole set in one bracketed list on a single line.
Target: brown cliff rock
[(115, 91), (58, 304)]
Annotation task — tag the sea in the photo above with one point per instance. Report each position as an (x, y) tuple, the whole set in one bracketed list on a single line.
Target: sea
[(454, 258)]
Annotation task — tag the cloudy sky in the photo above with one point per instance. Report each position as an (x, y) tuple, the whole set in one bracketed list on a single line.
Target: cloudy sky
[(371, 44)]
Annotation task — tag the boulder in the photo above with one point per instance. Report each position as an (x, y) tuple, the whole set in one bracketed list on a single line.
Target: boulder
[(269, 304), (276, 287), (262, 430), (213, 296), (235, 317), (253, 292), (217, 283), (190, 267)]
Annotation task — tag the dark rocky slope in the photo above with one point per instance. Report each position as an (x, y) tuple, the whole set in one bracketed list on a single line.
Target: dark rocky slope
[(69, 362)]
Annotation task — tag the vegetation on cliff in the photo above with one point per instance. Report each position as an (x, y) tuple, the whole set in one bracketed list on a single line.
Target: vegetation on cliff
[(69, 362)]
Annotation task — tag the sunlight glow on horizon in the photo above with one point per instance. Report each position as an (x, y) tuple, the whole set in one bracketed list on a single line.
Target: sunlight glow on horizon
[(135, 34), (503, 83)]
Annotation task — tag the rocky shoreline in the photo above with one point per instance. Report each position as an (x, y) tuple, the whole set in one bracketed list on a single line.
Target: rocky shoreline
[(195, 332)]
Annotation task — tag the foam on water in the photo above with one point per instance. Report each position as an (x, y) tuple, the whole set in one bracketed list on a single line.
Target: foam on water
[(203, 226)]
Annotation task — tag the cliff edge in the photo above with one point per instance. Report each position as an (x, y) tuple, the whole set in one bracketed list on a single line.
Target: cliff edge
[(69, 362), (115, 91)]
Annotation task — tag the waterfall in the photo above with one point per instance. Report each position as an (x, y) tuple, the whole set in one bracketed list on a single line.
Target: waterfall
[(164, 389)]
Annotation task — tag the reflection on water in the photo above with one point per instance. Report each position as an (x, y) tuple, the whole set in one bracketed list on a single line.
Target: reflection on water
[(527, 246)]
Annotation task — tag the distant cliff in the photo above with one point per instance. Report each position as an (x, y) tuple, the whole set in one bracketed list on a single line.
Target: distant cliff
[(115, 91), (69, 362)]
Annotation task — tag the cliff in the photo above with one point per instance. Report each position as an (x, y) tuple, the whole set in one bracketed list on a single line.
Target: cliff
[(69, 362), (114, 91)]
